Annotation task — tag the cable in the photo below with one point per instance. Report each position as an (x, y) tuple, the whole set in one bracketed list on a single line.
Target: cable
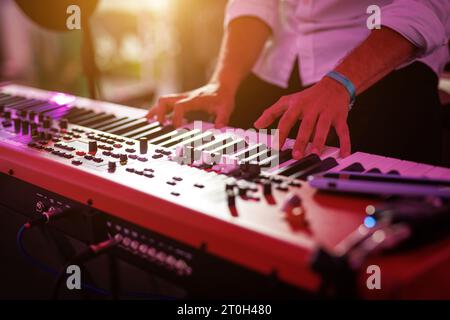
[(36, 263), (93, 251), (49, 215)]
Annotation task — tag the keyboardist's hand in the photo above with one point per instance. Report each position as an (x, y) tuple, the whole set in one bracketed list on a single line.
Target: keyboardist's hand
[(210, 98), (319, 108)]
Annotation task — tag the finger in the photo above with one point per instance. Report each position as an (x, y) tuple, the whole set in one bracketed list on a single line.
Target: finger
[(223, 117), (321, 134), (303, 136), (152, 112), (184, 105), (163, 106), (287, 121), (344, 137), (158, 111), (272, 113)]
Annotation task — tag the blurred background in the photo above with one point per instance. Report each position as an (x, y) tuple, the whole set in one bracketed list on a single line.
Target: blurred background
[(143, 48)]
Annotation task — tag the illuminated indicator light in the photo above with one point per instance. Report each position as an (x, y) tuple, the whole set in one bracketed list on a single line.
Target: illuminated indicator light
[(370, 222), (370, 210), (62, 99)]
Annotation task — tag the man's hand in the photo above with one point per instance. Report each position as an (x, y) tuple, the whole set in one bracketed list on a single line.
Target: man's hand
[(242, 44), (319, 108), (211, 98)]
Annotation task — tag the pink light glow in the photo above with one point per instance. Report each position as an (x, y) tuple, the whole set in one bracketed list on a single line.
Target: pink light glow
[(61, 99)]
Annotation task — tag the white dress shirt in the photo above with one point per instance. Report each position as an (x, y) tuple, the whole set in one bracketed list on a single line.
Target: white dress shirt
[(320, 33)]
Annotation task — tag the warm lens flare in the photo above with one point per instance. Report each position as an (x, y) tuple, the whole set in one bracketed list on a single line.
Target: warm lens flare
[(157, 6)]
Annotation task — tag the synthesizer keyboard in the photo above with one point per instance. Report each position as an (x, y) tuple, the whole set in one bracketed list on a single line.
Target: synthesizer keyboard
[(222, 192)]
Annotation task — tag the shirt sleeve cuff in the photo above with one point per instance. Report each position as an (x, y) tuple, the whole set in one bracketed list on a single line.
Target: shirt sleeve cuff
[(417, 22), (266, 10)]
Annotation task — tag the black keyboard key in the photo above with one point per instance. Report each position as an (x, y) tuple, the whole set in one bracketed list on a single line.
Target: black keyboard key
[(154, 133), (94, 120), (300, 165), (250, 151), (77, 112), (115, 125), (4, 95), (9, 100), (138, 131), (354, 167), (231, 147), (374, 171), (108, 122), (129, 127), (24, 104), (325, 165), (88, 116), (166, 136), (185, 135)]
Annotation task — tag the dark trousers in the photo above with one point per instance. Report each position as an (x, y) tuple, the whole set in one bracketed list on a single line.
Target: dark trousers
[(398, 117)]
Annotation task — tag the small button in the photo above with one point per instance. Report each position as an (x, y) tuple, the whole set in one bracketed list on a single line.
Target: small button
[(276, 180), (87, 157), (171, 261), (151, 252), (149, 170), (98, 160), (106, 153), (77, 162), (143, 248), (282, 188), (117, 145), (161, 256), (142, 159), (134, 245), (139, 172), (123, 158), (177, 178), (130, 150), (176, 194), (198, 185), (115, 155), (149, 175), (133, 156), (157, 156), (130, 170), (295, 184), (172, 183), (80, 153), (130, 143)]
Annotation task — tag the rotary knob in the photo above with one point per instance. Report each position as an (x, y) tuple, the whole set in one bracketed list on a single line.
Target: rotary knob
[(92, 146), (25, 127), (63, 124), (17, 125), (143, 145)]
